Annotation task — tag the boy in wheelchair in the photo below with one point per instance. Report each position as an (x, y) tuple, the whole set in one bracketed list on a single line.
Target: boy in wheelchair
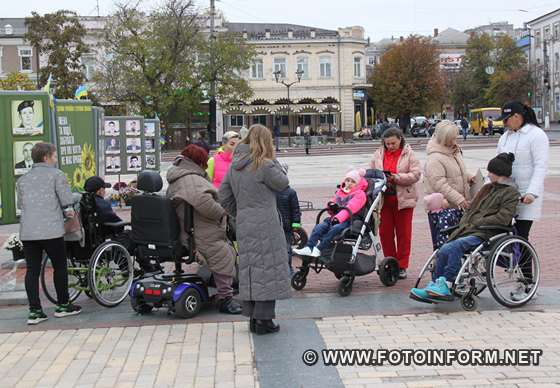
[(351, 195), (495, 204)]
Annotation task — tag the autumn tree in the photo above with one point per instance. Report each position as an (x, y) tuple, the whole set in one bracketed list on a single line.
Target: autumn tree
[(408, 80), (59, 36), (17, 81), (158, 62)]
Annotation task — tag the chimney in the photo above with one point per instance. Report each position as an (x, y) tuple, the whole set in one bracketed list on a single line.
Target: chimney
[(312, 33), (436, 32), (290, 33), (401, 39), (244, 34), (267, 33)]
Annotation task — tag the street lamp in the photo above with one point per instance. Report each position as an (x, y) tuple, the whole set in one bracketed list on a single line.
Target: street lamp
[(277, 76), (329, 117)]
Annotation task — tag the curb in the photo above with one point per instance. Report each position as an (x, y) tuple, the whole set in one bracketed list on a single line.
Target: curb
[(10, 298)]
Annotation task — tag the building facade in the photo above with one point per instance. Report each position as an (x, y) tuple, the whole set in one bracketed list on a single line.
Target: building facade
[(331, 92), (16, 55), (544, 62)]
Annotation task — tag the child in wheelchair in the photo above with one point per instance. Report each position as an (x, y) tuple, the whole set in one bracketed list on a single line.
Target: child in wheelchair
[(351, 195), (495, 204)]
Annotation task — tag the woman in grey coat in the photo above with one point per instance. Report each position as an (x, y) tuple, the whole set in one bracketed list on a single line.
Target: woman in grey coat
[(248, 192), (42, 195)]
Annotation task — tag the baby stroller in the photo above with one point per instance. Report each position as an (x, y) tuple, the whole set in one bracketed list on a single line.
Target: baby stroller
[(349, 256)]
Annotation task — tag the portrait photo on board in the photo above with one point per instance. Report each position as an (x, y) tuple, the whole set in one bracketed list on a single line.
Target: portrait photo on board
[(149, 129), (22, 156), (134, 163), (150, 161), (112, 145), (27, 117), (111, 128), (133, 145), (149, 145), (133, 127), (112, 164)]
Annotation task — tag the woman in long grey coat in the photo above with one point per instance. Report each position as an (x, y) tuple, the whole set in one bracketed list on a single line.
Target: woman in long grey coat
[(248, 192)]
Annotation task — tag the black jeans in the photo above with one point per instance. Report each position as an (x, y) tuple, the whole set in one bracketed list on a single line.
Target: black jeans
[(56, 251), (523, 228)]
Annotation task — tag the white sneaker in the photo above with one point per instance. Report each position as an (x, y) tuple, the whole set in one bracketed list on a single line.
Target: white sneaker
[(305, 251), (315, 253)]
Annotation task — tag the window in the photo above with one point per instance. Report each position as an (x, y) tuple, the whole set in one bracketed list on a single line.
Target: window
[(25, 56), (357, 67), (8, 29), (284, 120), (557, 102), (236, 120), (89, 66), (303, 65), (556, 33), (304, 119), (371, 60), (0, 59), (280, 65), (537, 38), (259, 119), (547, 33), (325, 118), (325, 67), (257, 69)]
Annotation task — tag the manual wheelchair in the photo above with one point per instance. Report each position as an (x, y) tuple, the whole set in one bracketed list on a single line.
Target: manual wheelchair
[(506, 264)]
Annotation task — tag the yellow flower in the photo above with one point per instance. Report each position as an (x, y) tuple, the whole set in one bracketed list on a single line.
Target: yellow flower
[(78, 179), (88, 161)]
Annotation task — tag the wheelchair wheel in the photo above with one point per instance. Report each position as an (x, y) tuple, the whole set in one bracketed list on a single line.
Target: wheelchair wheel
[(299, 238), (345, 285), (77, 279), (110, 274), (513, 271), (189, 304), (468, 302), (389, 271), (140, 307), (299, 279)]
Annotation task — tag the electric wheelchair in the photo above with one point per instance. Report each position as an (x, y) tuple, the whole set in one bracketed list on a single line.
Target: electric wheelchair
[(506, 264), (356, 251)]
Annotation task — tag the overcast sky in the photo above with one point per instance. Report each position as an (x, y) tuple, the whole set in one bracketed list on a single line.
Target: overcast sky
[(380, 18)]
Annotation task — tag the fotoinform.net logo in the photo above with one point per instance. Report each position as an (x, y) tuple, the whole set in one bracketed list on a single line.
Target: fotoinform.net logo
[(430, 357)]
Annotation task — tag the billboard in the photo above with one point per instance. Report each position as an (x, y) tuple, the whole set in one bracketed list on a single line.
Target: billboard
[(450, 61)]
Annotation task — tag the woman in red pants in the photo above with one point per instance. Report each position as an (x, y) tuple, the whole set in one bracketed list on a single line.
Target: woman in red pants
[(403, 172)]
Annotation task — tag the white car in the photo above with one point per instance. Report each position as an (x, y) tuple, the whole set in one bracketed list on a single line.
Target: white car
[(458, 123)]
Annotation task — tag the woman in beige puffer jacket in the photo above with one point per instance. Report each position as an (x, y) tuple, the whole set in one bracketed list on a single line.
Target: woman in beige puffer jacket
[(445, 171)]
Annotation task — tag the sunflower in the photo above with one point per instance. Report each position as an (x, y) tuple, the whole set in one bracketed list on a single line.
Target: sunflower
[(78, 179), (88, 161)]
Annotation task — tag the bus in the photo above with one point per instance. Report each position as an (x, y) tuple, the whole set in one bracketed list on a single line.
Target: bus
[(479, 120)]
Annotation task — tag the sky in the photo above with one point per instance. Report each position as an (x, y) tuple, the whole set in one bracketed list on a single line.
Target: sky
[(380, 18)]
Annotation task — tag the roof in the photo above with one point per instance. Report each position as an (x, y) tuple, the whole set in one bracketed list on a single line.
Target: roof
[(543, 16), (451, 36), (18, 26), (279, 30)]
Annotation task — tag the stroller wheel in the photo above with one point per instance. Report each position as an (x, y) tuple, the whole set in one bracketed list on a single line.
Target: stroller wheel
[(468, 302), (345, 286), (389, 271), (298, 281)]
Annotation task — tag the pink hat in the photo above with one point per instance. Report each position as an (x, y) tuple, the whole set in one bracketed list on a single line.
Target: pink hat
[(434, 202), (355, 174)]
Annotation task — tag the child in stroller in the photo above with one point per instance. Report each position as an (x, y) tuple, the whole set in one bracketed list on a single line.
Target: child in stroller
[(350, 195)]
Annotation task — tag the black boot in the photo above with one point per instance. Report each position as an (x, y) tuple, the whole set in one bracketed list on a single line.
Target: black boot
[(266, 326), (229, 306)]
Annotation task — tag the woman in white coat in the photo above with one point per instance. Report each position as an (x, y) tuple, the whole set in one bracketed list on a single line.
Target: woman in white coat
[(528, 142)]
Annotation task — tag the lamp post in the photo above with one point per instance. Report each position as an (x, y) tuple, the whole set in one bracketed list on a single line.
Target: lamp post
[(277, 75), (329, 117)]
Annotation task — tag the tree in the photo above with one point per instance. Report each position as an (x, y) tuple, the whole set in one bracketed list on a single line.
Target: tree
[(17, 81), (408, 80), (474, 85), (158, 61), (59, 36)]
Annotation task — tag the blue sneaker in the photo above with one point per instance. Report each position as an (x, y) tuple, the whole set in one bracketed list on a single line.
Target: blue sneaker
[(420, 294), (439, 290)]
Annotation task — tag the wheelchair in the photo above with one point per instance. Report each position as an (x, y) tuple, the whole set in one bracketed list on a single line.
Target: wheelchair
[(506, 264), (97, 266), (349, 256)]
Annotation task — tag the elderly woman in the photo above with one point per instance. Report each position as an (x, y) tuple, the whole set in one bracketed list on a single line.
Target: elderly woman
[(248, 192), (445, 173), (218, 165), (188, 183), (397, 159)]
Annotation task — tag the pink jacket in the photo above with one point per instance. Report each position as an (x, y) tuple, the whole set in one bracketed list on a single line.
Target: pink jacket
[(408, 174), (354, 200), (222, 161)]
